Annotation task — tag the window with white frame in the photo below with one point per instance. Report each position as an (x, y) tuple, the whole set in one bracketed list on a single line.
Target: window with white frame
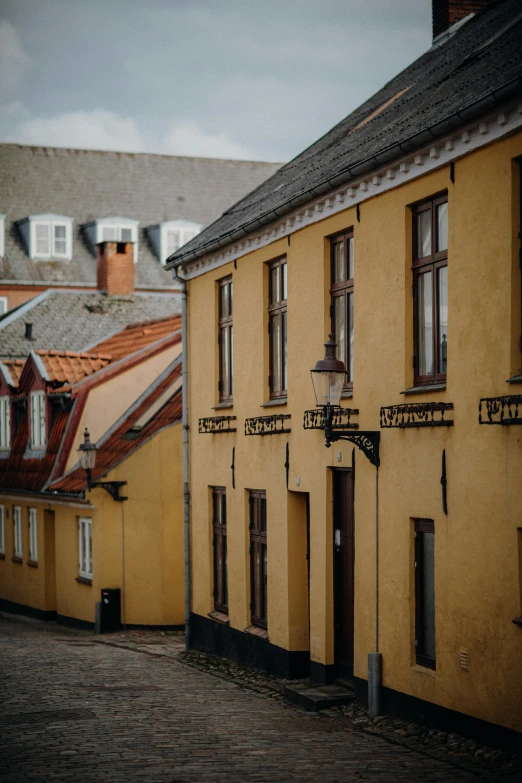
[(5, 422), (115, 229), (33, 535), (2, 238), (49, 236), (85, 546), (17, 531), (38, 432), (2, 530), (175, 234), (4, 303)]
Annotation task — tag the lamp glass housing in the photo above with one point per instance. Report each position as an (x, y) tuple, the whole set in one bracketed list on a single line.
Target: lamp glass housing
[(87, 453), (328, 386)]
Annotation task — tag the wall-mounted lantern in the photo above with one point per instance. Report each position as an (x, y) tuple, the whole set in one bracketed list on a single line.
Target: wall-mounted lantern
[(87, 457)]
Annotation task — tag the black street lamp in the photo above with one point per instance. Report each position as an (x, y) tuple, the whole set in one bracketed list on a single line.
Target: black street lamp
[(87, 458), (328, 379)]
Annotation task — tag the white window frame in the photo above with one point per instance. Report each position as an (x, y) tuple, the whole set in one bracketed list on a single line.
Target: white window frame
[(5, 423), (2, 529), (33, 535), (85, 547), (38, 420), (2, 236), (51, 222), (186, 229), (17, 531), (118, 225), (4, 302)]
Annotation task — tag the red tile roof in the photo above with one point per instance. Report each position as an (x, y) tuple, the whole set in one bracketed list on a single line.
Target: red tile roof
[(70, 367), (116, 445), (14, 367), (138, 335)]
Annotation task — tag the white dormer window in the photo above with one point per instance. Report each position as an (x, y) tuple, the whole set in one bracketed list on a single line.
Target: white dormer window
[(47, 236), (2, 235), (169, 236), (38, 432), (113, 229)]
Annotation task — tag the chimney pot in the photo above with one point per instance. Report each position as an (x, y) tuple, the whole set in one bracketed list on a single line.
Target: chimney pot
[(28, 331), (115, 268)]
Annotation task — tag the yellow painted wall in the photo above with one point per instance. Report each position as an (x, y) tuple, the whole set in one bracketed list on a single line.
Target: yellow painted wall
[(108, 401), (477, 578)]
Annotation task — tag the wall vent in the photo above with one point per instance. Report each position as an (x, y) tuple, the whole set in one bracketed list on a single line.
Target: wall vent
[(464, 659)]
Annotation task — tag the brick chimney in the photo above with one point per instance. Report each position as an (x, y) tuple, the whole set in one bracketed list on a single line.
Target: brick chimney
[(446, 12), (115, 268)]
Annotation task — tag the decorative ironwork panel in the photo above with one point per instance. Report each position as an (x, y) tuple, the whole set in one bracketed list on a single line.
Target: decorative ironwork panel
[(417, 414), (501, 410), (216, 424), (341, 419), (267, 425)]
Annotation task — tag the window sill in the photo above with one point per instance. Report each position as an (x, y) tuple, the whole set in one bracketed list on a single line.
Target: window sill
[(515, 379), (16, 559), (83, 580), (424, 670), (433, 387), (255, 630), (220, 617), (32, 563), (273, 403), (221, 405), (517, 621)]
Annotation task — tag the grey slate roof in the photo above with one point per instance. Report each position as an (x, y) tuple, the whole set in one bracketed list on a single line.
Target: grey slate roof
[(88, 185), (72, 320), (483, 57)]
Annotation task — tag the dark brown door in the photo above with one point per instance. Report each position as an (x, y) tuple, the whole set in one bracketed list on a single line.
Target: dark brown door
[(344, 558)]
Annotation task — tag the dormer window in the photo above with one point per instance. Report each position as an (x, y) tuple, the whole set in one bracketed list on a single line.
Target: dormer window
[(169, 236), (47, 236), (5, 422), (38, 431), (2, 235), (113, 229)]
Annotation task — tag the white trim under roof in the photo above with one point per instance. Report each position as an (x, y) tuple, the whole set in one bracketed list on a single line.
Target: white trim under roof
[(441, 152)]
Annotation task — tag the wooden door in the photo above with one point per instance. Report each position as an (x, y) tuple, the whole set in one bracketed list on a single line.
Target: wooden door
[(344, 559)]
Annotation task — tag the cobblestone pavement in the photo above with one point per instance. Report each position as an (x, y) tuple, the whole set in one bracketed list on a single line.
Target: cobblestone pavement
[(129, 708)]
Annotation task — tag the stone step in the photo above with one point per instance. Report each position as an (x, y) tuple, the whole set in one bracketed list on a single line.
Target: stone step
[(312, 696)]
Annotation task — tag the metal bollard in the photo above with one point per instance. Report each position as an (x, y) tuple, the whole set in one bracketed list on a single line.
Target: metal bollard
[(374, 683)]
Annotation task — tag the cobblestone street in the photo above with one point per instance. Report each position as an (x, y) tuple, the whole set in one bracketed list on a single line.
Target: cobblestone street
[(76, 708)]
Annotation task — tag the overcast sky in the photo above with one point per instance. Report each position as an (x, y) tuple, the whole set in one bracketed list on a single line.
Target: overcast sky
[(254, 79)]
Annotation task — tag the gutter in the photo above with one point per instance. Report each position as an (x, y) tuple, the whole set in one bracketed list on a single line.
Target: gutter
[(446, 125), (185, 424)]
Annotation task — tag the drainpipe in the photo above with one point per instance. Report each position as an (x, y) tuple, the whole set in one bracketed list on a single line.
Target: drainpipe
[(375, 658), (186, 492)]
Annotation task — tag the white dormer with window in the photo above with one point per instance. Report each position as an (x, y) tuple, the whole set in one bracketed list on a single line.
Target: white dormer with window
[(113, 229), (2, 235), (38, 423), (47, 236), (169, 236)]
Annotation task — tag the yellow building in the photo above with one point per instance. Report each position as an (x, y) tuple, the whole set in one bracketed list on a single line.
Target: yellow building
[(60, 546), (399, 232)]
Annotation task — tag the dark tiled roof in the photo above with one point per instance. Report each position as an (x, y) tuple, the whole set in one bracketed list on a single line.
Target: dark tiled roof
[(116, 445), (481, 57), (136, 336), (73, 320), (87, 185)]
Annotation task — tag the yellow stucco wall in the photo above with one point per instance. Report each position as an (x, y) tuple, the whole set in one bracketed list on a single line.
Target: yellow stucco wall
[(476, 557), (108, 401), (153, 527)]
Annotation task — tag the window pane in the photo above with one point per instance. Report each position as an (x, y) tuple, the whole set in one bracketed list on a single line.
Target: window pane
[(230, 291), (339, 262), (442, 275), (89, 543), (224, 301), (350, 259), (428, 588), (43, 239), (350, 333), (340, 327), (284, 269), (108, 233), (59, 247), (284, 352), (262, 514), (425, 324), (59, 232), (231, 362), (275, 333), (173, 242), (275, 295), (225, 367), (424, 234), (442, 227), (126, 235)]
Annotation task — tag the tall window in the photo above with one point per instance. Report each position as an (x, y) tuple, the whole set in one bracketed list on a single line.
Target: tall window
[(225, 340), (425, 592), (277, 328), (342, 299), (5, 422), (38, 434), (219, 541), (33, 535), (85, 547), (17, 531), (430, 289), (2, 530), (258, 553)]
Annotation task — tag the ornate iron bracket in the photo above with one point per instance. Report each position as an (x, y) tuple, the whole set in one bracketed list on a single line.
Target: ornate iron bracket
[(112, 487), (367, 442), (416, 414), (341, 419), (267, 425), (501, 410), (216, 424)]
